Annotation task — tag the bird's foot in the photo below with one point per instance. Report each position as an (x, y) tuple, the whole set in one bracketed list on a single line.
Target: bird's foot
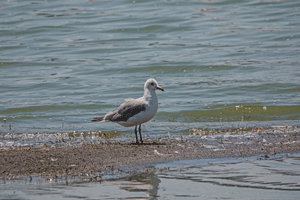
[(135, 143), (138, 143)]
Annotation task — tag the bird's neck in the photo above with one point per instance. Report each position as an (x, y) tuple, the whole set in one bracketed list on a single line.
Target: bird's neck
[(150, 95)]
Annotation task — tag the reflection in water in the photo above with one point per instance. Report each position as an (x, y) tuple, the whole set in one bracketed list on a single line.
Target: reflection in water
[(146, 182), (231, 178)]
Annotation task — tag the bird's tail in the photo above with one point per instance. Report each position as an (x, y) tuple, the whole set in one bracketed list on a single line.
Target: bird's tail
[(97, 119)]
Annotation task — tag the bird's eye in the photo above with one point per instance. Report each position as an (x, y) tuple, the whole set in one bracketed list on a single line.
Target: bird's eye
[(152, 83)]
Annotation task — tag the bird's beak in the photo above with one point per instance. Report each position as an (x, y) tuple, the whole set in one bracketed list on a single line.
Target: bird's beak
[(160, 88)]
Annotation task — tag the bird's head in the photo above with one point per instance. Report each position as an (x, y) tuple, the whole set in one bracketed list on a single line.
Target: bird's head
[(152, 84)]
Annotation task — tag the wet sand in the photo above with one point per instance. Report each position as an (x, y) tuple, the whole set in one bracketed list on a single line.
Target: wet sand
[(93, 160)]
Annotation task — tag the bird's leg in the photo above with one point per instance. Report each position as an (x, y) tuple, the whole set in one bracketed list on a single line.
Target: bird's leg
[(136, 136), (140, 131)]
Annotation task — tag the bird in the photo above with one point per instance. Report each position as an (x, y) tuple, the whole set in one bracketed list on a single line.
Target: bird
[(135, 112)]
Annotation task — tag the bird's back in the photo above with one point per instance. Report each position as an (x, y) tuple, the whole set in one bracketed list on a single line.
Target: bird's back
[(128, 109)]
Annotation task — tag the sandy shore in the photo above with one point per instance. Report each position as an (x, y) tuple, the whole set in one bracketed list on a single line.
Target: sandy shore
[(88, 160)]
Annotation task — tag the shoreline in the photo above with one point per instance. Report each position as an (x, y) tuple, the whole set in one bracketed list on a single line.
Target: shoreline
[(94, 160)]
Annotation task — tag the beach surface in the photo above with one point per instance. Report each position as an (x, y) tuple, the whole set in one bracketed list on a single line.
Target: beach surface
[(97, 159)]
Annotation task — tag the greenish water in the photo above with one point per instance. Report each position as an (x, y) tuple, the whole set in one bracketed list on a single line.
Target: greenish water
[(221, 63)]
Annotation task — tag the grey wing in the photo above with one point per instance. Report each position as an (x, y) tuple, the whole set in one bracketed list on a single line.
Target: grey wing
[(125, 111)]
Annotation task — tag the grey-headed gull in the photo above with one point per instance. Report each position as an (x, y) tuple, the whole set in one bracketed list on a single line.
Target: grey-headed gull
[(135, 112)]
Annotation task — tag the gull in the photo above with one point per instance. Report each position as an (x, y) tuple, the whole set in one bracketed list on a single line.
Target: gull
[(135, 112)]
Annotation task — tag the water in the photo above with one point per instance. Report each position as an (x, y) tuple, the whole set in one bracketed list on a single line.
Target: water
[(231, 178), (64, 62)]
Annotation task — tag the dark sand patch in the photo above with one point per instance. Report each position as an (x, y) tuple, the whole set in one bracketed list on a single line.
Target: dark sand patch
[(88, 160)]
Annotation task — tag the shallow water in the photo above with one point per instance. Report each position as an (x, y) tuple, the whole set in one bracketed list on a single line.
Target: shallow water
[(229, 62), (231, 178)]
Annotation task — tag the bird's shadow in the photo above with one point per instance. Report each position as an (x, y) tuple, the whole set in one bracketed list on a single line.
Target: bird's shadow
[(146, 143)]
